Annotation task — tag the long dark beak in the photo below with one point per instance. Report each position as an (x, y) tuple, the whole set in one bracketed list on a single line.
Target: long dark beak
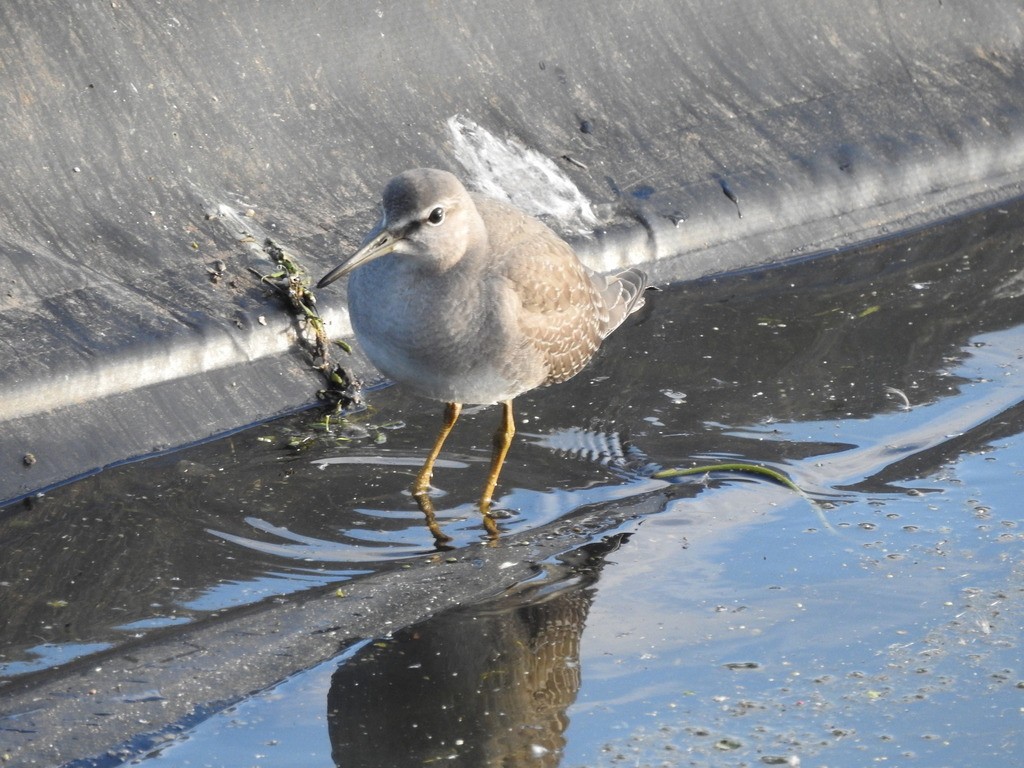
[(379, 244)]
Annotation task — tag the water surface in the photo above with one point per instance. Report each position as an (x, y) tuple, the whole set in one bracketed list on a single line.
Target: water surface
[(720, 620)]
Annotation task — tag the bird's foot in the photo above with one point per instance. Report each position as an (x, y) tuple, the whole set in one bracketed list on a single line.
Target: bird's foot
[(490, 517), (427, 508)]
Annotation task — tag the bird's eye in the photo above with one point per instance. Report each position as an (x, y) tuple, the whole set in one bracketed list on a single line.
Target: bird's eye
[(436, 216)]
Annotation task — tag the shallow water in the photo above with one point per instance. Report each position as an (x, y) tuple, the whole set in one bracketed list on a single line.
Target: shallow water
[(728, 621)]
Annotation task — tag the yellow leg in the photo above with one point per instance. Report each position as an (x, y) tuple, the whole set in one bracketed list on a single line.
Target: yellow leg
[(502, 440), (427, 508), (451, 415)]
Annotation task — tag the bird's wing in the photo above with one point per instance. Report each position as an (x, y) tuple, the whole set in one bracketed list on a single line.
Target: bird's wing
[(562, 304)]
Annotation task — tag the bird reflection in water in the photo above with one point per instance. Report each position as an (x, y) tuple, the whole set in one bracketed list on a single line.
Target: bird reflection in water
[(484, 685)]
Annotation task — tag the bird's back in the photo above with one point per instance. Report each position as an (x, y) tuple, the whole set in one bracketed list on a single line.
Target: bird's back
[(566, 309)]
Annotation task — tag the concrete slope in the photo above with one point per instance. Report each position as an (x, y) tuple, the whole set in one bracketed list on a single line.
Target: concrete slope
[(147, 149)]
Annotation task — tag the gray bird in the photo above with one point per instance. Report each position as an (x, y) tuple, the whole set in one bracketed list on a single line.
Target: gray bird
[(465, 299)]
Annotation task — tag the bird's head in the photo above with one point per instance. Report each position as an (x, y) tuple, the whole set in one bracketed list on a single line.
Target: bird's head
[(428, 216)]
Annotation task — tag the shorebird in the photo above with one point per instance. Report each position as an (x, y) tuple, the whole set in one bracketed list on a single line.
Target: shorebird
[(465, 299)]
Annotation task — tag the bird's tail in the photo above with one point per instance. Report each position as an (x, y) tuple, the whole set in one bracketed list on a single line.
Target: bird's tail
[(625, 295)]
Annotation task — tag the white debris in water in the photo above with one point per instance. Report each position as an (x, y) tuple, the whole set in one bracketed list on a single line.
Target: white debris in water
[(674, 396)]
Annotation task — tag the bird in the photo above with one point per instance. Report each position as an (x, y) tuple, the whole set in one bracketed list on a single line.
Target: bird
[(465, 299)]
